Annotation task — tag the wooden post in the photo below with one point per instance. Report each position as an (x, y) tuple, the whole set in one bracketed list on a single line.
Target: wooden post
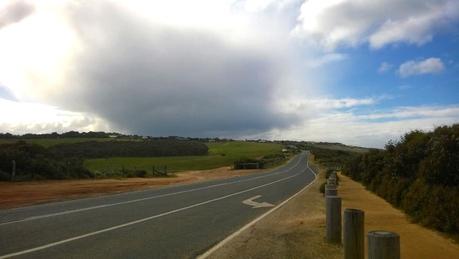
[(13, 170), (353, 234), (331, 183), (383, 245), (331, 190), (333, 218)]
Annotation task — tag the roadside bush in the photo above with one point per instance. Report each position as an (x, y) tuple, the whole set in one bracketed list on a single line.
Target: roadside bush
[(419, 174), (36, 162)]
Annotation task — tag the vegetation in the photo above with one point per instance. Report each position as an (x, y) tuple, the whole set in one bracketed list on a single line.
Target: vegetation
[(64, 161), (220, 154), (49, 142), (36, 162), (419, 174), (148, 148), (329, 157)]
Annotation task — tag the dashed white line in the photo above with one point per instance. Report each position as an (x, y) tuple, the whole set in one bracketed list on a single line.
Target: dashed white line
[(230, 237), (142, 220), (144, 199)]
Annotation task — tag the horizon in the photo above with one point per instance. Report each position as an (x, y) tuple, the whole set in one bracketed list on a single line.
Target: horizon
[(300, 70)]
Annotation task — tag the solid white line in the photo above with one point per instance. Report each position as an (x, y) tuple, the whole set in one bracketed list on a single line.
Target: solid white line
[(142, 220), (144, 199), (230, 237)]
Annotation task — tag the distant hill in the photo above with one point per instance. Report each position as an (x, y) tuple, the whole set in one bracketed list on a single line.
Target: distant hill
[(339, 146)]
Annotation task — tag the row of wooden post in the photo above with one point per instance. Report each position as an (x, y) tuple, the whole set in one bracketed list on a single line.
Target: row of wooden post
[(381, 244)]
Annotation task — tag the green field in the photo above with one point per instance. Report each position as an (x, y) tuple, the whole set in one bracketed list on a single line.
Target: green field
[(220, 154)]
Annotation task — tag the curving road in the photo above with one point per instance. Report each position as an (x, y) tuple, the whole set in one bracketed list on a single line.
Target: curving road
[(174, 222)]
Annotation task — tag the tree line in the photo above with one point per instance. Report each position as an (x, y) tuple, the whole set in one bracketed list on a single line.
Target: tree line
[(146, 148), (418, 174), (65, 161), (35, 162)]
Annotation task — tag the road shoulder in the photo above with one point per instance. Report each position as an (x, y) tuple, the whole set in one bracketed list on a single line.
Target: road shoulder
[(17, 194), (295, 230)]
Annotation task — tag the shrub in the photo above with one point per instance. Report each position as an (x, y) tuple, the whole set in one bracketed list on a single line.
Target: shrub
[(419, 174)]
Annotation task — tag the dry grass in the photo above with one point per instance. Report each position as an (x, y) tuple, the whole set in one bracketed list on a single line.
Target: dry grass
[(18, 194), (296, 230), (416, 241)]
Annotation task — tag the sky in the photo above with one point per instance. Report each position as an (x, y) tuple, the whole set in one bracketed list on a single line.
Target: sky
[(351, 71)]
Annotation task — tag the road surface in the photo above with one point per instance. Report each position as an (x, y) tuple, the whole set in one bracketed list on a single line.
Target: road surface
[(174, 222)]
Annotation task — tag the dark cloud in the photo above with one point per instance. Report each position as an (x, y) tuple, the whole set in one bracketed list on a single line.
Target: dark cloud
[(14, 12), (158, 80)]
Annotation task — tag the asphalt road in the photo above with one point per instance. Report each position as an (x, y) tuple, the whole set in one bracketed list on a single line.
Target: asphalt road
[(174, 222)]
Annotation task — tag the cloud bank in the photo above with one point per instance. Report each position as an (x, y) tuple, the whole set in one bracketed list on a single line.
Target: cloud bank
[(154, 78), (14, 11), (379, 23)]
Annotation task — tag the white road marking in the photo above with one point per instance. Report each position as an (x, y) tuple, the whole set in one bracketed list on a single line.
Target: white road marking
[(256, 205), (230, 237), (144, 199), (142, 220)]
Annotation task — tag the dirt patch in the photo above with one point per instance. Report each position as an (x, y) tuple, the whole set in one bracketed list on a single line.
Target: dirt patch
[(27, 193), (415, 241), (297, 230)]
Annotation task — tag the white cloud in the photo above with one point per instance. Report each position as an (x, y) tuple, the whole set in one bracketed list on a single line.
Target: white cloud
[(306, 108), (261, 5), (384, 67), (27, 117), (332, 23), (368, 130), (325, 59), (427, 66), (326, 103)]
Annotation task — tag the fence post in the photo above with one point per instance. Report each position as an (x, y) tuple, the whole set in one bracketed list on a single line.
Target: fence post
[(331, 182), (333, 218), (13, 170), (353, 234), (383, 245), (330, 190)]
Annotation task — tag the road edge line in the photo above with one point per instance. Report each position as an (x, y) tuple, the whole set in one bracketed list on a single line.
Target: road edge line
[(253, 222)]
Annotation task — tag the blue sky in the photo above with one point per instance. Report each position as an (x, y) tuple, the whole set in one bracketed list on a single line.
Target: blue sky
[(358, 75), (357, 72)]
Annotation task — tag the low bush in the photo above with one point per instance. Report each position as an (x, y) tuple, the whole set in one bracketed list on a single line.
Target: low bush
[(419, 174)]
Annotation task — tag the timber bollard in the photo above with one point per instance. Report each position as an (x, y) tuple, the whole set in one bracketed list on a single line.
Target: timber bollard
[(331, 190), (13, 170), (331, 181), (383, 245), (353, 234), (333, 219)]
